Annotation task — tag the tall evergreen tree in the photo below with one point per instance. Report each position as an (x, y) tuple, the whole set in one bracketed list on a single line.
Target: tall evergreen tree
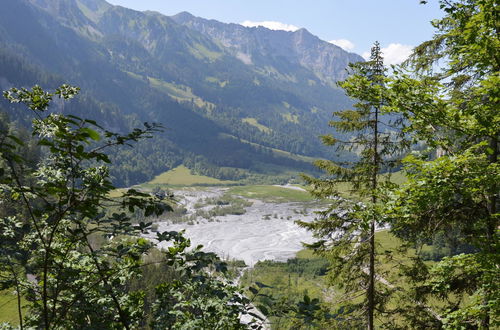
[(346, 230)]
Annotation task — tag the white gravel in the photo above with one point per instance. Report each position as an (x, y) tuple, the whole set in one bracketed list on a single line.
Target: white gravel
[(247, 237)]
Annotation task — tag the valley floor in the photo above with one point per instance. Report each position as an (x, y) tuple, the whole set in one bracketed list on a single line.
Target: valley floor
[(266, 230)]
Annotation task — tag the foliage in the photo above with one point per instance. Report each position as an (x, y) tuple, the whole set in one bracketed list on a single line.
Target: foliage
[(290, 293), (194, 299), (451, 101), (346, 230), (69, 254)]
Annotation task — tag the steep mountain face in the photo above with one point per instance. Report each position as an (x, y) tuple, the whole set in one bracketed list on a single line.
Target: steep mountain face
[(261, 46), (226, 93)]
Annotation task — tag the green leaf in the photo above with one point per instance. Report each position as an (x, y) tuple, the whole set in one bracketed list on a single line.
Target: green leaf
[(91, 133), (15, 139)]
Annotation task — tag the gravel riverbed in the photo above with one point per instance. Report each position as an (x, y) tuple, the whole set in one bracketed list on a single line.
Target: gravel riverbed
[(267, 231)]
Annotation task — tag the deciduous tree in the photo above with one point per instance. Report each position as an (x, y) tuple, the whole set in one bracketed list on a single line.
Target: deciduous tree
[(450, 97), (72, 251)]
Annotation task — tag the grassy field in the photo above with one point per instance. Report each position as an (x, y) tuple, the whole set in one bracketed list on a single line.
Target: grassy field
[(396, 177), (253, 122), (271, 193), (115, 193), (8, 307), (346, 189), (182, 176)]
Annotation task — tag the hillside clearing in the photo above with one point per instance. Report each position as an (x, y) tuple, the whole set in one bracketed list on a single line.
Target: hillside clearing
[(182, 176)]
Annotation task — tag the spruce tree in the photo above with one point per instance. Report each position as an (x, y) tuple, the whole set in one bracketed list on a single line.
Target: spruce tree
[(346, 230)]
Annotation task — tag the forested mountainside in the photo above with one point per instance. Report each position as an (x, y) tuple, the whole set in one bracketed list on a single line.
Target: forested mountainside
[(227, 95)]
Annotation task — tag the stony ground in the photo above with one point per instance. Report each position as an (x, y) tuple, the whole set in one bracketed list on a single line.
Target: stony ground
[(267, 231)]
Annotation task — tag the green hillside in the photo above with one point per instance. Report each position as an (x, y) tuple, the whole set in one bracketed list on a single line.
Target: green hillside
[(182, 176), (136, 67)]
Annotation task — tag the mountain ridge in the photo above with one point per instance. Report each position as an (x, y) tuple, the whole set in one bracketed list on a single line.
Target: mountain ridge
[(154, 69), (284, 46)]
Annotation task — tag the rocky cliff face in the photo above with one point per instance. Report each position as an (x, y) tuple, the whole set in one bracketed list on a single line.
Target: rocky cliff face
[(260, 46), (257, 46)]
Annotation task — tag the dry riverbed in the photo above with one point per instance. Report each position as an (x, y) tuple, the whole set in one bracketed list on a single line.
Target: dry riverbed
[(266, 231)]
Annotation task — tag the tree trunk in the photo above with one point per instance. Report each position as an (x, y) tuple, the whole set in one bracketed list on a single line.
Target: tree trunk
[(492, 223), (371, 283)]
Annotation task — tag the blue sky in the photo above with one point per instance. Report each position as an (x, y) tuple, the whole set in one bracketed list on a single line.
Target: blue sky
[(354, 25)]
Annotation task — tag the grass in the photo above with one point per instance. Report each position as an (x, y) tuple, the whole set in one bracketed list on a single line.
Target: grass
[(178, 92), (8, 307), (217, 81), (396, 177), (273, 72), (253, 122), (290, 117), (115, 193), (271, 193), (287, 281), (182, 176), (201, 52), (345, 189)]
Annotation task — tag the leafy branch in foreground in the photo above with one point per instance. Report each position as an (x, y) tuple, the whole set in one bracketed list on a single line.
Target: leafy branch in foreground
[(450, 97), (72, 252)]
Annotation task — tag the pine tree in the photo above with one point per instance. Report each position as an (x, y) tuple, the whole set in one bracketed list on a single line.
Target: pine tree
[(346, 230)]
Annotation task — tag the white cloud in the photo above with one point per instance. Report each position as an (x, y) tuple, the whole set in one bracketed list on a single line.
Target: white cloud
[(395, 53), (343, 43), (271, 25)]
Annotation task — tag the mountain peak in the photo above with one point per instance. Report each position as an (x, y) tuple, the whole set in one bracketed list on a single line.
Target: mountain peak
[(303, 33), (183, 16), (261, 46), (302, 30), (95, 5)]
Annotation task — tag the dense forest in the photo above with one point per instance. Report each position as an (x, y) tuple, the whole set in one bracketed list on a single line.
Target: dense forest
[(76, 257)]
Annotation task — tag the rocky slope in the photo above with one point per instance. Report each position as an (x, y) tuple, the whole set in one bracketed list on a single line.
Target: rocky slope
[(227, 94)]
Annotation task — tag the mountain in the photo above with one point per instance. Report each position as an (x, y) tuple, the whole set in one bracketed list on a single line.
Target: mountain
[(260, 46), (233, 99)]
